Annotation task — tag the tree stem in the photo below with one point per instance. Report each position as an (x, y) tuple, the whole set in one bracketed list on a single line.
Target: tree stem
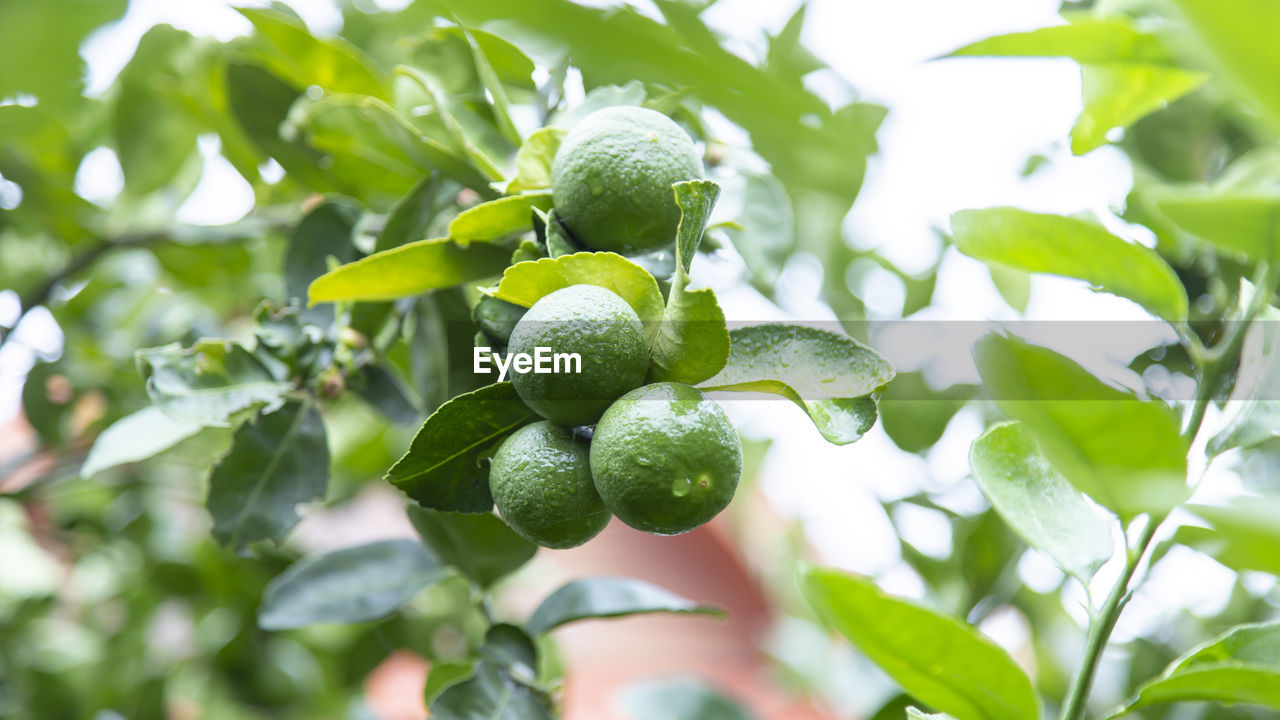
[(1216, 362)]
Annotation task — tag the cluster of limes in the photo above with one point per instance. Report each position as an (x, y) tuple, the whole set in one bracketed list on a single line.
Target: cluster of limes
[(662, 457)]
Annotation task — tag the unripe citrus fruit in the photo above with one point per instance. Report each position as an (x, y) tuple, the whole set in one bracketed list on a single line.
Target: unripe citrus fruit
[(540, 480), (611, 179), (606, 335), (665, 458)]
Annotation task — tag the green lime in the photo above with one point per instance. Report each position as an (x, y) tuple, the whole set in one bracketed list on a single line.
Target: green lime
[(593, 351), (665, 458), (611, 179), (540, 479)]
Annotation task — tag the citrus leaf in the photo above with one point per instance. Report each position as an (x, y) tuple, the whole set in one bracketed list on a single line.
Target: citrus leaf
[(444, 468), (830, 376), (1240, 666), (937, 659), (533, 160), (1118, 94), (474, 134), (135, 437), (917, 714), (914, 415), (1085, 41), (351, 585), (207, 383), (1038, 503), (409, 270), (1238, 34), (595, 598), (1255, 394), (527, 282), (1074, 418), (1243, 222), (1072, 248), (1243, 535), (445, 675), (490, 694), (480, 546), (304, 59), (497, 218), (692, 341), (276, 462)]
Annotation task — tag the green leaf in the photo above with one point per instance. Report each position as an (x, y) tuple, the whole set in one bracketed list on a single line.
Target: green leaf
[(558, 241), (679, 698), (1077, 421), (1085, 40), (1243, 535), (599, 98), (595, 598), (1014, 285), (154, 131), (533, 160), (511, 649), (135, 437), (496, 219), (445, 675), (1072, 248), (326, 232), (43, 39), (830, 376), (914, 415), (764, 232), (480, 546), (490, 694), (1038, 503), (445, 467), (1242, 222), (917, 714), (351, 585), (1240, 666), (938, 659), (369, 148), (276, 463), (413, 213), (304, 59), (692, 341), (1237, 32), (473, 133), (1117, 95), (527, 282), (409, 270), (260, 102), (208, 383)]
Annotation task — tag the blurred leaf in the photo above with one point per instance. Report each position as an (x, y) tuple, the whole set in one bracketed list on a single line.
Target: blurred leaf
[(1038, 503), (605, 597), (305, 60), (1075, 419), (276, 462), (412, 214), (155, 134), (1243, 535), (527, 282), (371, 149), (917, 714), (445, 675), (207, 383), (497, 218), (497, 93), (830, 376), (260, 102), (380, 387), (351, 585), (679, 698), (490, 694), (1117, 95), (480, 546), (914, 415), (43, 40), (937, 659), (1072, 248), (471, 132), (325, 232), (446, 466), (135, 437), (692, 342), (1244, 222), (1238, 34), (533, 160), (1240, 666), (409, 270), (1256, 391), (1094, 40), (1014, 285), (764, 232), (787, 56), (511, 649), (598, 98)]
